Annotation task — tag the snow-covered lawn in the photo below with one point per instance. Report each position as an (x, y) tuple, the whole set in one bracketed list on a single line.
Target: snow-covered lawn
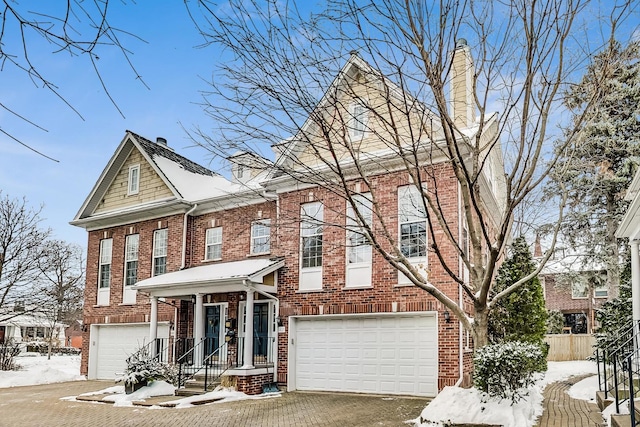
[(36, 369), (453, 404), (459, 405)]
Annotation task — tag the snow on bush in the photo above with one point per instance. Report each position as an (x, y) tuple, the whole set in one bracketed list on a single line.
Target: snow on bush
[(507, 369)]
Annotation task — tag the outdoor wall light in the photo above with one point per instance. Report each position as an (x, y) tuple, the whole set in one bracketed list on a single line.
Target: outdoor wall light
[(447, 316)]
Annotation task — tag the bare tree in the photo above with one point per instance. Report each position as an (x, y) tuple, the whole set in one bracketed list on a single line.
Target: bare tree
[(277, 88), (61, 285), (76, 28), (21, 246)]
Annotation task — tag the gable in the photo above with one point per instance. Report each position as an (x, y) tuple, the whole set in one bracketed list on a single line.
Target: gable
[(151, 186), (388, 117)]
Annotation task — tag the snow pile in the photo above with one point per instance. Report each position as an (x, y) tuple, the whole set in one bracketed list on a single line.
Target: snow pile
[(35, 369), (458, 405), (155, 388)]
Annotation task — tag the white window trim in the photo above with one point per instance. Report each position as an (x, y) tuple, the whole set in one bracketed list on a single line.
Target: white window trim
[(353, 279), (155, 254), (358, 122), (130, 180), (216, 243), (311, 276), (419, 262), (266, 223), (106, 252)]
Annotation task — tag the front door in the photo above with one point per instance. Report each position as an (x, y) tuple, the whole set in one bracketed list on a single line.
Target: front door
[(260, 332), (212, 329)]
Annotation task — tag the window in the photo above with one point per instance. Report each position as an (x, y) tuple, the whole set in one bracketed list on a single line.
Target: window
[(358, 120), (134, 180), (104, 273), (160, 238), (601, 290), (411, 219), (359, 269), (311, 233), (131, 259), (579, 288), (359, 249), (261, 236), (213, 244)]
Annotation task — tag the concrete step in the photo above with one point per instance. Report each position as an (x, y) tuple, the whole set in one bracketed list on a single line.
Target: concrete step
[(620, 421), (601, 401)]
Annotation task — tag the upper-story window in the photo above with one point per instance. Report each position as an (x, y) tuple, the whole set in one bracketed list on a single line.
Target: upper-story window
[(358, 272), (134, 180), (261, 236), (359, 249), (357, 120), (131, 259), (160, 241), (104, 273), (213, 244), (311, 216), (412, 222), (579, 288)]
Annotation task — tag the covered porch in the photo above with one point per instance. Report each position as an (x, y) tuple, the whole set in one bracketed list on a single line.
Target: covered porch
[(213, 336)]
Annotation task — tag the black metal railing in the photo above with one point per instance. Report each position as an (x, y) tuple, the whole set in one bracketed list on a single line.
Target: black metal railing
[(619, 367), (158, 349), (204, 357), (263, 351)]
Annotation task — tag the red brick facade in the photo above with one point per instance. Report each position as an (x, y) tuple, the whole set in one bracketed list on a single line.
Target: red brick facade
[(383, 296)]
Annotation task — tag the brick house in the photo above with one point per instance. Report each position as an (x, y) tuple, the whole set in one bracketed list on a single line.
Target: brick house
[(575, 290), (177, 254)]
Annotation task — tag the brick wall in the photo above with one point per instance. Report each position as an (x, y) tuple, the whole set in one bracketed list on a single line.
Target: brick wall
[(116, 312), (253, 384)]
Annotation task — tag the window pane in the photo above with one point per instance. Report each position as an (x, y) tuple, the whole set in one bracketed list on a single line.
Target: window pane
[(160, 251), (213, 243), (312, 251), (311, 232), (260, 236), (160, 266), (413, 239)]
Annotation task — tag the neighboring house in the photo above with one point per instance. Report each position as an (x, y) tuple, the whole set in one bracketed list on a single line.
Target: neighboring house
[(73, 334), (30, 328), (575, 290), (177, 254)]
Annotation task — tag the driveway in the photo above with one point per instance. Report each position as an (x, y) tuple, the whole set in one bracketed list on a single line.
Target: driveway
[(41, 406)]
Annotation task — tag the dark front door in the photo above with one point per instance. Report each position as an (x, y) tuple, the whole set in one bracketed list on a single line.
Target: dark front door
[(212, 329), (260, 332)]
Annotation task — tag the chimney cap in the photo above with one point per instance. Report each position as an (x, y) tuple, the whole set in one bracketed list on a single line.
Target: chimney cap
[(461, 43), (161, 141)]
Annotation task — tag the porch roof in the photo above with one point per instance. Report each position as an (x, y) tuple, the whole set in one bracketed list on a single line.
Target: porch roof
[(214, 278)]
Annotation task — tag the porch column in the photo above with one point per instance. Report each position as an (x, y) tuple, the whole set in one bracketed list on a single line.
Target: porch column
[(248, 332), (198, 327), (153, 324), (635, 280)]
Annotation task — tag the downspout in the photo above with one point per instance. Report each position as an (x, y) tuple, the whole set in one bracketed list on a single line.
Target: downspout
[(183, 264), (460, 300)]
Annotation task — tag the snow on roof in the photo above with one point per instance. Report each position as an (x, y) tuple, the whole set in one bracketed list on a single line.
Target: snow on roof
[(194, 186), (572, 263), (249, 269)]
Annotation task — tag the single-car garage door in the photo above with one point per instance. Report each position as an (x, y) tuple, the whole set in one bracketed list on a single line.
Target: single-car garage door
[(386, 354), (112, 344)]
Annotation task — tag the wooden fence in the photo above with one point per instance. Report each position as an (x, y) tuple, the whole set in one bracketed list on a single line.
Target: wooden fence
[(569, 346)]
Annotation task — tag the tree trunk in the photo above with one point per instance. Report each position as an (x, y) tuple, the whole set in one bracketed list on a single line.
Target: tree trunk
[(480, 327)]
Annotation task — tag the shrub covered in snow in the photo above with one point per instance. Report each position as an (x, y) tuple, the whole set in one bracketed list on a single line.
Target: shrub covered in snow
[(8, 352), (505, 370), (142, 368)]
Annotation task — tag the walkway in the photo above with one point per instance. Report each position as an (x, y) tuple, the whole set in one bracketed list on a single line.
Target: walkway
[(560, 410)]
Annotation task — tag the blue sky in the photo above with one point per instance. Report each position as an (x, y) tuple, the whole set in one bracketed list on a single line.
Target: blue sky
[(170, 64)]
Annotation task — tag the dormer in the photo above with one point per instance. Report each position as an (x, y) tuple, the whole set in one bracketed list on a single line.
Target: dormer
[(246, 166)]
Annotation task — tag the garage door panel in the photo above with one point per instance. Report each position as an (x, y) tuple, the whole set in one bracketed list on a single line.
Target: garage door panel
[(375, 354), (114, 343)]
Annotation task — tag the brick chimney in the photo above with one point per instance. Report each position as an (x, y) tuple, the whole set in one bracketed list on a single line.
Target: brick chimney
[(462, 102)]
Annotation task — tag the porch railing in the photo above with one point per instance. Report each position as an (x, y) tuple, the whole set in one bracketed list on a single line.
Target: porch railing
[(158, 349), (201, 357), (619, 367), (263, 351)]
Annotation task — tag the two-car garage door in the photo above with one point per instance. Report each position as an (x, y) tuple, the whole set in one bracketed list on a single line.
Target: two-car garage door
[(386, 354), (111, 344)]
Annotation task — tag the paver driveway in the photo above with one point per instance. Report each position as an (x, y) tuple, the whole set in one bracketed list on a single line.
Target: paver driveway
[(41, 406)]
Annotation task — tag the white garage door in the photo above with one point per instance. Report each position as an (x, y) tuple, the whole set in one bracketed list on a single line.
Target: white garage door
[(393, 354), (112, 344)]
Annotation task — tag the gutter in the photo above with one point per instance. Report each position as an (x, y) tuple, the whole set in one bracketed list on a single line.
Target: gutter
[(184, 236)]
